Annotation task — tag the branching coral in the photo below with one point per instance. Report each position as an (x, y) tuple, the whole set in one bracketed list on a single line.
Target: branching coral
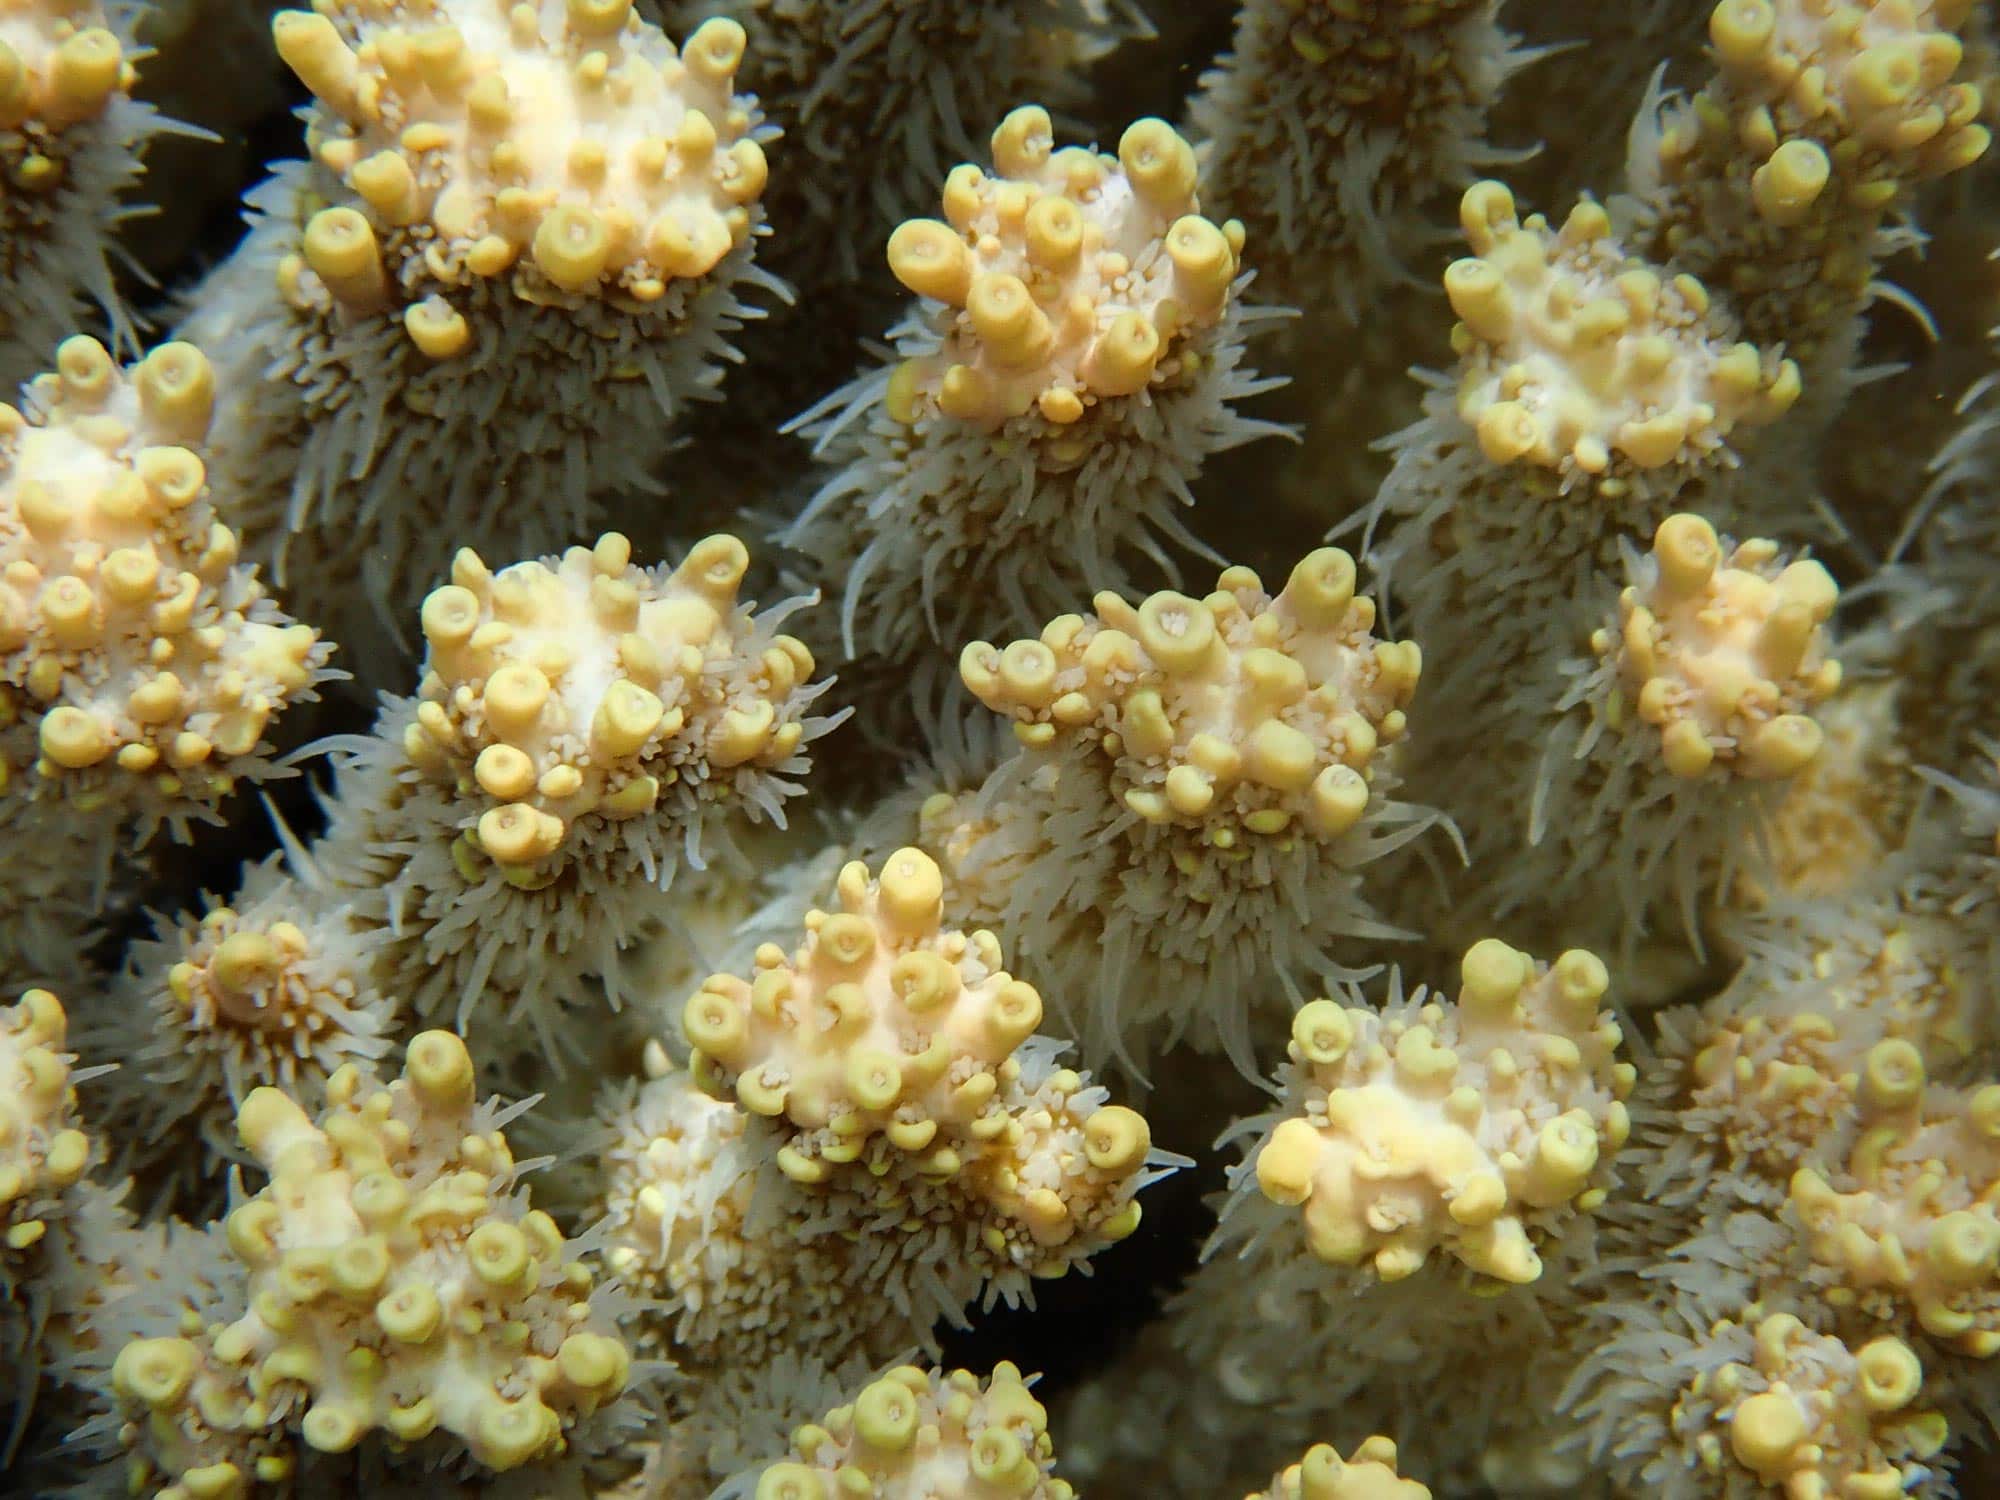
[(516, 253), (917, 1139), (1071, 365), (1835, 1005), (142, 661), (1595, 393), (580, 695), (884, 1051), (1759, 1095), (397, 1291), (1198, 782), (584, 726), (1329, 127), (276, 988), (1779, 182), (911, 1434), (1848, 809), (1474, 1127), (1697, 711), (55, 1225), (1433, 1188), (1902, 1231), (735, 1418), (72, 145), (1727, 1228), (1805, 1164), (1765, 1406)]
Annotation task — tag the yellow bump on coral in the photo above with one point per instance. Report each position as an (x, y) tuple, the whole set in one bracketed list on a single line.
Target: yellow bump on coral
[(883, 1020), (42, 1149), (1902, 1227), (398, 1282), (1369, 1473), (1577, 358), (911, 1434), (1472, 1126), (149, 663), (61, 65), (1871, 84), (1068, 276), (575, 696), (1240, 714), (1780, 1409), (1721, 649), (573, 148)]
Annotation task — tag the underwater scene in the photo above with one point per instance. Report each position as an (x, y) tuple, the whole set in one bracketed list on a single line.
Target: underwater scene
[(999, 750)]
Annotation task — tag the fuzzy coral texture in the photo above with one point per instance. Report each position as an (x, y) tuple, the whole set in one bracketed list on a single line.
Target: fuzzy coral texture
[(999, 750)]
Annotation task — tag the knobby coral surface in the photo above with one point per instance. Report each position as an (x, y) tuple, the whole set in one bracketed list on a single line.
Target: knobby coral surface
[(1456, 956)]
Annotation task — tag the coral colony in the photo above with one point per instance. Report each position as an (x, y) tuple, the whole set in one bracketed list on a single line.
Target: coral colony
[(999, 749)]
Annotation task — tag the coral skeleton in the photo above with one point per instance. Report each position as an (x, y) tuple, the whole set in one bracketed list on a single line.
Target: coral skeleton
[(523, 232)]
